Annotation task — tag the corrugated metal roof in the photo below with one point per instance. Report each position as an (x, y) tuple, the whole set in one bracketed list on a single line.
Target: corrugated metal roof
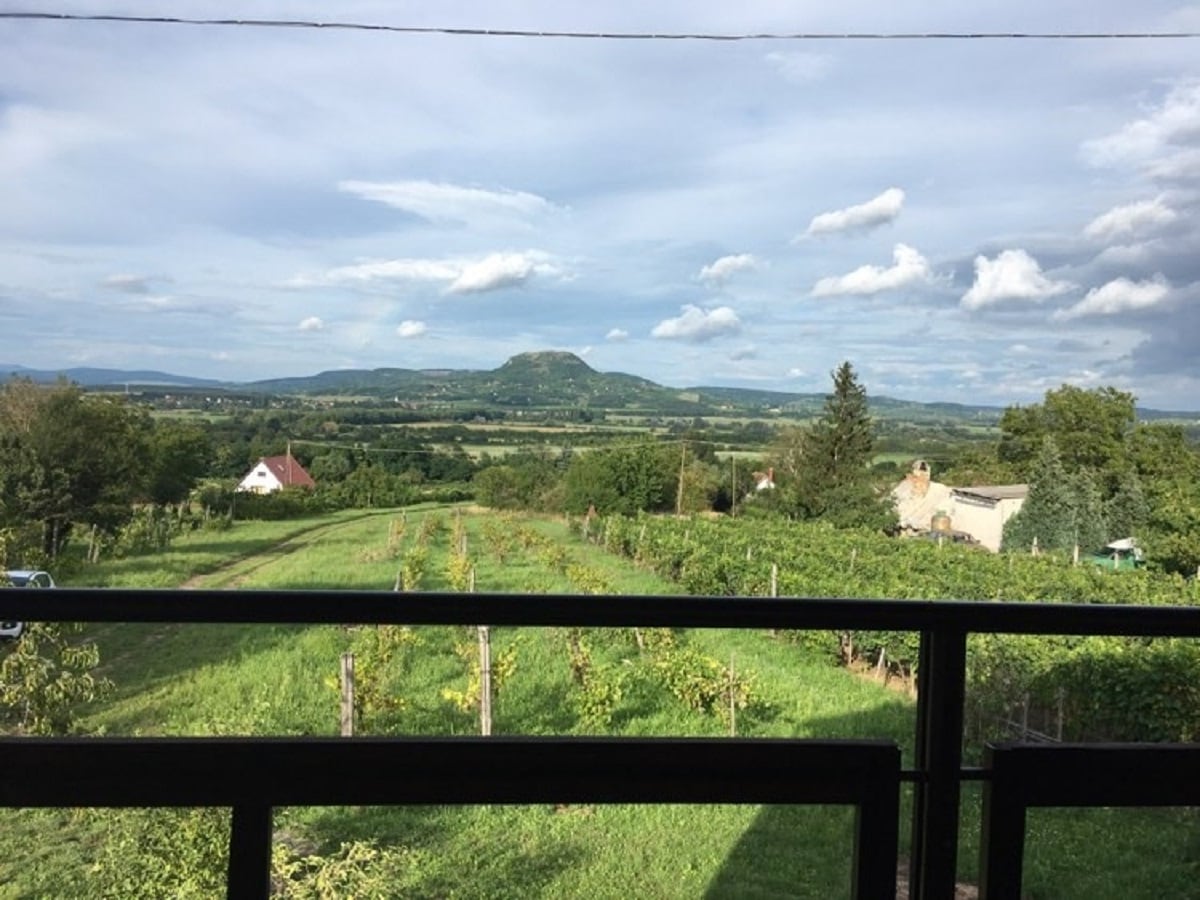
[(996, 492)]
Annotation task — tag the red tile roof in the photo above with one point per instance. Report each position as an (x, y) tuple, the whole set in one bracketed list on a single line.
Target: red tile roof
[(289, 472)]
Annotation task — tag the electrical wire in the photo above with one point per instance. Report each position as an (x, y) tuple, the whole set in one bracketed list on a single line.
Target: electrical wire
[(612, 35)]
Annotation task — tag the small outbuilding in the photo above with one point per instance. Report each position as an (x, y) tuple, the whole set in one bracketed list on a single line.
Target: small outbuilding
[(981, 511), (274, 473), (974, 514)]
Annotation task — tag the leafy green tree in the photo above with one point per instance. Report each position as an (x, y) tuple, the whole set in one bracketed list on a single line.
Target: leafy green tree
[(178, 458), (80, 458), (1168, 468), (640, 477), (45, 677), (1089, 427), (977, 465)]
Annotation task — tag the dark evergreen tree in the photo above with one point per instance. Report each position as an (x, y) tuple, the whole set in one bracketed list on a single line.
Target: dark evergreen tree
[(1089, 528), (1127, 511), (829, 462), (1062, 510)]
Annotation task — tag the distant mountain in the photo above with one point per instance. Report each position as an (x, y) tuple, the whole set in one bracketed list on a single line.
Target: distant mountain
[(546, 379), (543, 379), (96, 378)]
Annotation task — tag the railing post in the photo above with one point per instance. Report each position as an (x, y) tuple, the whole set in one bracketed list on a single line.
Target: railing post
[(941, 679), (876, 837), (1002, 839), (249, 876)]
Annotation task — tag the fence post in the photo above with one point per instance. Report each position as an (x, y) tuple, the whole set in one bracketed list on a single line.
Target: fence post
[(485, 680), (347, 694)]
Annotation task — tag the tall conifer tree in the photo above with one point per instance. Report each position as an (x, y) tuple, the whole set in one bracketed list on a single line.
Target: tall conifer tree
[(832, 480)]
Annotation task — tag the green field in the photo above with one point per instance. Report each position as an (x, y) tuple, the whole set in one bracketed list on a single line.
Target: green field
[(282, 680)]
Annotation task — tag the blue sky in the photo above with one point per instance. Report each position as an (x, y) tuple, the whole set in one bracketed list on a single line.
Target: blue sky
[(976, 221)]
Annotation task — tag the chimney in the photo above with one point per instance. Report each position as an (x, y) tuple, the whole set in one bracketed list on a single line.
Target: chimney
[(918, 478)]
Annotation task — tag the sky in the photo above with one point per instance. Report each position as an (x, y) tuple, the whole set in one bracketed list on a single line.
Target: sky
[(976, 221)]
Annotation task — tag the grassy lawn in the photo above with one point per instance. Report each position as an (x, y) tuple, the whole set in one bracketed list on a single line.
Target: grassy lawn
[(231, 679)]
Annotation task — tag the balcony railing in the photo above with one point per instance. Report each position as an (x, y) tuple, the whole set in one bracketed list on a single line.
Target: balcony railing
[(281, 771)]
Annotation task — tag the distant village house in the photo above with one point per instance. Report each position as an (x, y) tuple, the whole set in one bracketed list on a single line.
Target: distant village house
[(764, 481), (975, 513), (274, 473)]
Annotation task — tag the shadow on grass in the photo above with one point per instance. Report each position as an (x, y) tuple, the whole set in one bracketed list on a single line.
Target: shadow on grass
[(490, 862), (139, 658), (807, 851)]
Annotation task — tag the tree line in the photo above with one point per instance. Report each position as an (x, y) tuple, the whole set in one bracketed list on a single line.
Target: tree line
[(74, 463)]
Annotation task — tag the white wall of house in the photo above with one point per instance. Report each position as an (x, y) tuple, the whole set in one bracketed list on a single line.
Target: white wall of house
[(983, 518), (260, 480)]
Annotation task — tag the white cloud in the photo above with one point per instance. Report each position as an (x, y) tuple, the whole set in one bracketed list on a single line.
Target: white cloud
[(410, 328), (384, 270), (801, 68), (1117, 296), (876, 211), (1012, 275), (463, 276), (312, 323), (695, 324), (909, 266), (1142, 140), (796, 373), (1125, 220), (1129, 254), (452, 203), (719, 271), (617, 334), (1181, 166), (127, 284), (500, 270)]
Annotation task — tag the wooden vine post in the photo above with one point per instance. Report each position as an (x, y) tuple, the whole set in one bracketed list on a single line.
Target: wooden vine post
[(485, 672), (485, 680), (347, 694), (732, 699)]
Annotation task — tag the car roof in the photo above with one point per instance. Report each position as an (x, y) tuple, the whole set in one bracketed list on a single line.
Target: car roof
[(24, 573)]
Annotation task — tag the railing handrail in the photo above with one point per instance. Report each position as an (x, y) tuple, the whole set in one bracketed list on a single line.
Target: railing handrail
[(297, 606), (251, 775), (943, 626)]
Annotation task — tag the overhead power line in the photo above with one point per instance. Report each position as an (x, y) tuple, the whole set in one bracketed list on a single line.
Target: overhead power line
[(615, 35)]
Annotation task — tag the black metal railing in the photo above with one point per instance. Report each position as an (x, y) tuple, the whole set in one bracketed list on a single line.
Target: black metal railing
[(937, 773)]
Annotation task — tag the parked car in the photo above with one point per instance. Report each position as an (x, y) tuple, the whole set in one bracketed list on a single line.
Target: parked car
[(31, 578)]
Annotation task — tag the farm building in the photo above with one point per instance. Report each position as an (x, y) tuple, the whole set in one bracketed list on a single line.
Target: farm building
[(273, 473), (978, 512)]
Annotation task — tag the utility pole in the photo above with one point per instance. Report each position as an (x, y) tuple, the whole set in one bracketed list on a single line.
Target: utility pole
[(679, 493), (732, 486)]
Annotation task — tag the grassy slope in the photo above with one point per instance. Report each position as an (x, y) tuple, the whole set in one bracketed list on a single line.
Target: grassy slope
[(218, 679)]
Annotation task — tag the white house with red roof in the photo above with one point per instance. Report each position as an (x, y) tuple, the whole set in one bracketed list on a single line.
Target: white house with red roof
[(274, 473)]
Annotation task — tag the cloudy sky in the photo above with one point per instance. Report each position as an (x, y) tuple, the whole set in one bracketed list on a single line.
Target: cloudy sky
[(970, 220)]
